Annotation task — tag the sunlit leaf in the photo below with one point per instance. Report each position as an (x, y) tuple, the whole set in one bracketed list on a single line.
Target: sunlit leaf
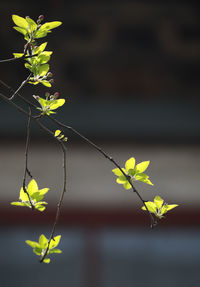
[(150, 206), (127, 185), (23, 195), (141, 167), (33, 244), (130, 163), (20, 21), (158, 201), (50, 25), (47, 260), (43, 241), (32, 187), (31, 24), (43, 70), (54, 242), (57, 103), (21, 30)]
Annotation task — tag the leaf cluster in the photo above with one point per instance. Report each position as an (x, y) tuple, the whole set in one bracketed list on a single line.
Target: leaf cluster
[(132, 172), (32, 196), (45, 247), (158, 207), (36, 56), (49, 104)]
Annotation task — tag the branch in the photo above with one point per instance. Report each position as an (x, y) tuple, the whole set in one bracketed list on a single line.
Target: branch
[(21, 86), (26, 170), (59, 203), (17, 59), (153, 221)]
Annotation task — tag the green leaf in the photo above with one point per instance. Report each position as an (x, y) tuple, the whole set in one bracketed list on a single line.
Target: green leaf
[(57, 103), (33, 244), (40, 34), (46, 83), (158, 201), (21, 30), (43, 241), (18, 55), (40, 49), (143, 177), (150, 206), (141, 167), (54, 242), (130, 164), (55, 251), (121, 179), (43, 190), (32, 187), (31, 24), (167, 207), (50, 25), (28, 66), (39, 207), (57, 132), (37, 250), (118, 172), (20, 21), (43, 70), (18, 203), (127, 185), (47, 260), (23, 195), (44, 57)]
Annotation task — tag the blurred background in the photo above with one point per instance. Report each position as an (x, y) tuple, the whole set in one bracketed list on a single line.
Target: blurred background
[(129, 71)]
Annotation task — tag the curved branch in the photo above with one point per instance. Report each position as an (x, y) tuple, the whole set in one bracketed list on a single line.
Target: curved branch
[(20, 87)]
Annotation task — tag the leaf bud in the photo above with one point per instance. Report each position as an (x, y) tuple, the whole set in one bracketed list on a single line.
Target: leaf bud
[(50, 74), (51, 81), (47, 95), (56, 95)]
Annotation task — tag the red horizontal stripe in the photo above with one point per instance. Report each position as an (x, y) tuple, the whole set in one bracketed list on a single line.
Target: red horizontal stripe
[(96, 217)]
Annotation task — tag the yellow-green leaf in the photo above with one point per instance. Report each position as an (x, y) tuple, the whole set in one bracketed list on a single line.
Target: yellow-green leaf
[(130, 163), (54, 242), (141, 167), (57, 103), (158, 201), (32, 187), (50, 25), (20, 21)]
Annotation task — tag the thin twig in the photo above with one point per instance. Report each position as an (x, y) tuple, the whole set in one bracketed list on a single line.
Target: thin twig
[(17, 59), (26, 170), (21, 86), (153, 222), (51, 237)]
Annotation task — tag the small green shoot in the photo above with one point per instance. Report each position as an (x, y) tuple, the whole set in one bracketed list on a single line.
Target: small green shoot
[(134, 172), (35, 196), (58, 134), (158, 207), (51, 103), (44, 247)]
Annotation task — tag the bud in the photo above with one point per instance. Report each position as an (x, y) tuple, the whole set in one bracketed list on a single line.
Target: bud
[(56, 95), (47, 95), (50, 74), (40, 19), (51, 81), (36, 97)]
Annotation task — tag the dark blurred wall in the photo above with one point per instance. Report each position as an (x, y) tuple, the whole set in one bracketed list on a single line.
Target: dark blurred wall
[(126, 67)]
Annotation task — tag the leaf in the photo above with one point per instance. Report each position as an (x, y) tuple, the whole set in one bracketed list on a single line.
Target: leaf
[(141, 167), (21, 30), (46, 83), (40, 207), (47, 260), (43, 70), (23, 195), (43, 241), (130, 164), (18, 203), (158, 201), (20, 21), (37, 250), (44, 57), (43, 190), (150, 206), (121, 179), (127, 185), (55, 251), (118, 172), (167, 207), (57, 132), (54, 242), (18, 55), (57, 103), (28, 66), (40, 34), (31, 24), (143, 177), (32, 187), (50, 25), (40, 49), (33, 244)]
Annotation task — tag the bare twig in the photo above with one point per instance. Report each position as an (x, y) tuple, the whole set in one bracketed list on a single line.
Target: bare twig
[(26, 170), (17, 59), (20, 87), (51, 237)]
